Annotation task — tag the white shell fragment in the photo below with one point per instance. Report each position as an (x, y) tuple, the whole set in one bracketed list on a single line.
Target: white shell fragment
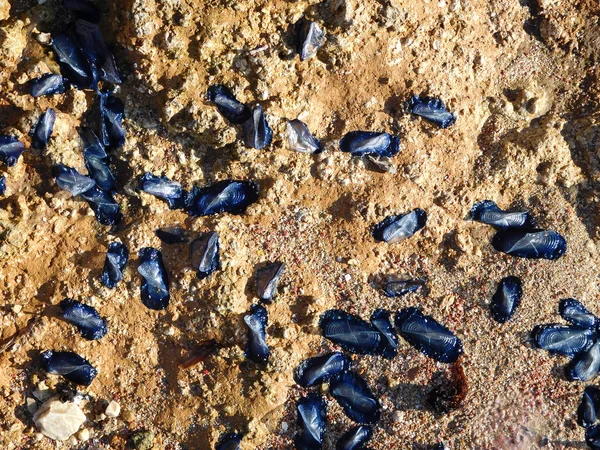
[(58, 420)]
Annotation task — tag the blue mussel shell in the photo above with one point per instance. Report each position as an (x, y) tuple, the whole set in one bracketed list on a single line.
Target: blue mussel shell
[(534, 244), (257, 133), (48, 84), (486, 211), (355, 397), (312, 419), (576, 314), (428, 336), (432, 109), (155, 279), (204, 254), (163, 188), (380, 319), (350, 332), (10, 150), (86, 318), (229, 441), (70, 365), (234, 111), (171, 235), (310, 38), (398, 228), (257, 349), (267, 279), (116, 260), (355, 438), (587, 412), (230, 196), (359, 143), (43, 129), (320, 369), (507, 299)]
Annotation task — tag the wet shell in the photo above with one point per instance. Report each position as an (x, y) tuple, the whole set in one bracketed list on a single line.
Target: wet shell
[(229, 441), (310, 38), (73, 64), (70, 180), (398, 228), (355, 397), (47, 84), (114, 265), (360, 143), (256, 347), (300, 138), (43, 129), (398, 288), (350, 332), (107, 210), (486, 211), (432, 109), (320, 369), (96, 161), (585, 365), (507, 299), (233, 110), (70, 365), (380, 319), (592, 437), (2, 185), (312, 420), (257, 133), (163, 188), (86, 318), (563, 340), (355, 438), (576, 314), (536, 244), (11, 150), (171, 235), (204, 254), (267, 280), (228, 196), (112, 132), (587, 412), (428, 336), (155, 279)]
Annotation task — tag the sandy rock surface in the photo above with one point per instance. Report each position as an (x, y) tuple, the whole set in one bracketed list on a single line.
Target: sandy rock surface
[(523, 81)]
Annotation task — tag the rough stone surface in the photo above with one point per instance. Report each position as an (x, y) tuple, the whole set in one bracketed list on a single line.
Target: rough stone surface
[(58, 420)]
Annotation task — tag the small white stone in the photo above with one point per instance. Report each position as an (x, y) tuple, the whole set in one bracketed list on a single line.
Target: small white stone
[(42, 393), (347, 277), (17, 309), (58, 420), (83, 435), (113, 409), (31, 405)]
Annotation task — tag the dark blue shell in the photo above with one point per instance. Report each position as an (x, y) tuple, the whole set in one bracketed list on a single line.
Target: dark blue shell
[(107, 210), (486, 211), (585, 365), (87, 320), (83, 10), (267, 279), (171, 235), (300, 138), (536, 244), (229, 196), (204, 254), (233, 110), (576, 314), (394, 229), (360, 143), (109, 71), (398, 288), (92, 42), (427, 335), (43, 129), (72, 60), (355, 397), (310, 38), (312, 419), (432, 109), (70, 365), (96, 161), (71, 180), (10, 150), (507, 299), (229, 441), (563, 340), (592, 437), (320, 369), (587, 412), (350, 332), (155, 279), (2, 185), (112, 133), (257, 133), (256, 347), (162, 187), (48, 84), (355, 438), (380, 319), (114, 265)]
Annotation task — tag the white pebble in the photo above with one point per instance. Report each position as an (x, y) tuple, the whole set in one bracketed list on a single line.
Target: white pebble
[(113, 409)]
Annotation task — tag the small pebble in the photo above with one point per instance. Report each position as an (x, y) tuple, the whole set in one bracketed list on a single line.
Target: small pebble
[(83, 435), (113, 409), (17, 309)]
